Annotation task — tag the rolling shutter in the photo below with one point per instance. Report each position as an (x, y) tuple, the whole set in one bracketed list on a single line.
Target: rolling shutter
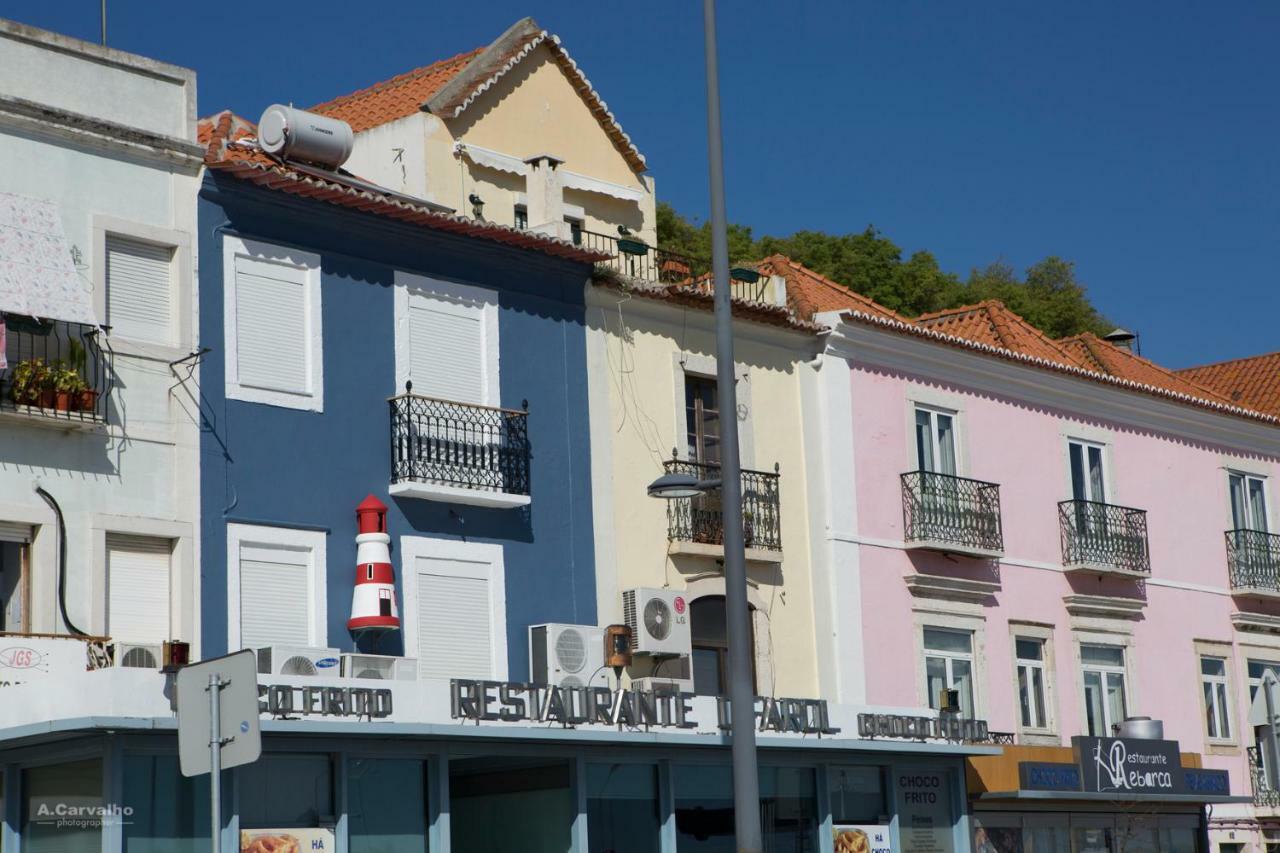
[(275, 596), (446, 349), (12, 532), (455, 630), (139, 290), (138, 583), (271, 327)]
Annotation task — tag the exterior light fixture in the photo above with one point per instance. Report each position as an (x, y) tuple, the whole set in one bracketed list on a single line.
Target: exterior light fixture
[(477, 205), (675, 485)]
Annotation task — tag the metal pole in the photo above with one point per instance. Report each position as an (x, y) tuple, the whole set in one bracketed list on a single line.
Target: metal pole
[(742, 719), (215, 760), (104, 23)]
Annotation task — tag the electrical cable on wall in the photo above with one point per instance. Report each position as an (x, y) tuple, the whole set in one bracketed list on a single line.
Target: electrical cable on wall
[(62, 560)]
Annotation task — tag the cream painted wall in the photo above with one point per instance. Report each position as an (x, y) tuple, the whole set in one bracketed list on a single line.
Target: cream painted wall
[(636, 348)]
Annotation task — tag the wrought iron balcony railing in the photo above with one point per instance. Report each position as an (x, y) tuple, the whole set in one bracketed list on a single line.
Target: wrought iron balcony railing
[(54, 370), (951, 513), (634, 258), (1253, 560), (458, 444), (701, 520), (1105, 537), (1264, 794)]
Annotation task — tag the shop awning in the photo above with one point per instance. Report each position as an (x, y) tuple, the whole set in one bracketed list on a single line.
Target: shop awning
[(1094, 797), (37, 276)]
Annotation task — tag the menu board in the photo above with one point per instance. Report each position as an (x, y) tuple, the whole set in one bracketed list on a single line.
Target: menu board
[(298, 840), (926, 823), (861, 838)]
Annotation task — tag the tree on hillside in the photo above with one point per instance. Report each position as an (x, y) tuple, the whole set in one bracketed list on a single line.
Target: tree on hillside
[(1049, 296)]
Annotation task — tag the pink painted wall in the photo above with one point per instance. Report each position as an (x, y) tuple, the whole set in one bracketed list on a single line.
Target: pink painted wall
[(1183, 487)]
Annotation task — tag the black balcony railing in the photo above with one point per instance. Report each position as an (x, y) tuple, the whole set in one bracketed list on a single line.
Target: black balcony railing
[(55, 370), (1264, 793), (1253, 560), (1104, 536), (701, 520), (458, 444), (634, 258), (949, 510)]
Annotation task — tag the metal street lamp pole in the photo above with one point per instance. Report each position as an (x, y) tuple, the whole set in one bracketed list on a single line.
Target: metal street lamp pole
[(746, 782)]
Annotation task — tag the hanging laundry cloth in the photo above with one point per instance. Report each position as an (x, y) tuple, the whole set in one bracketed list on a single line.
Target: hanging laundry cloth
[(4, 363)]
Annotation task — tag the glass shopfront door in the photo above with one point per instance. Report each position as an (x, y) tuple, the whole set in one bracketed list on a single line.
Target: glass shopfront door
[(1145, 832)]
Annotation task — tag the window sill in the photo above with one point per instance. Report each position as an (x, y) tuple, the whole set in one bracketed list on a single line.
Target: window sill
[(1222, 748), (945, 547), (1039, 738), (683, 548), (458, 495)]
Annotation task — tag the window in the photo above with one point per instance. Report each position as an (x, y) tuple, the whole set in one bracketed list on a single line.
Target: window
[(575, 230), (623, 811), (1256, 670), (708, 625), (170, 812), (455, 607), (492, 797), (702, 419), (15, 554), (1088, 480), (1030, 656), (287, 789), (273, 329), (386, 805), (935, 441), (276, 587), (1104, 690), (1248, 502), (521, 217), (857, 795), (447, 340), (138, 570), (948, 664), (52, 788), (140, 292), (1213, 680), (703, 795)]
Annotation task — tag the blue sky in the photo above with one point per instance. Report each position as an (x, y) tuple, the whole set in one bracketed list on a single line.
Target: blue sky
[(1138, 139)]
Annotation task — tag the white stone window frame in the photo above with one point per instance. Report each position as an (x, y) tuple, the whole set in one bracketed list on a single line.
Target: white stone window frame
[(1222, 651), (686, 363), (952, 620), (180, 298), (1047, 734), (309, 262), (1089, 435), (941, 402), (314, 542), (470, 553), (1123, 639), (486, 298), (184, 580), (1240, 468)]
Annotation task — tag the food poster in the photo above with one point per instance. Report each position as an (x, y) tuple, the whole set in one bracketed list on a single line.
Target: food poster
[(926, 819), (287, 840), (867, 838)]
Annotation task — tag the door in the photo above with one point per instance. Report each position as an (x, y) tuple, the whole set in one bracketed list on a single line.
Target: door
[(15, 552)]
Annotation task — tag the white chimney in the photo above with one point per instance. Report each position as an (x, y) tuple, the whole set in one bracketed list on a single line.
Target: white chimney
[(544, 196)]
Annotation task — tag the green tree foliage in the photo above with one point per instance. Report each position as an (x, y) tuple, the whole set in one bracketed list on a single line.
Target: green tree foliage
[(1049, 296)]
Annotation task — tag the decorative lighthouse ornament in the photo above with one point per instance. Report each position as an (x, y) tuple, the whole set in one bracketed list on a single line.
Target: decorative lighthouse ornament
[(373, 602)]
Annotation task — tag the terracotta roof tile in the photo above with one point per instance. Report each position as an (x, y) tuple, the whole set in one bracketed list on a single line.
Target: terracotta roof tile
[(991, 323), (1106, 357), (402, 95), (1253, 381), (810, 293)]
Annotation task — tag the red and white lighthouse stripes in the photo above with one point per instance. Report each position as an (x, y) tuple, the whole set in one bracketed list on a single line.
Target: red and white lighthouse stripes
[(373, 601)]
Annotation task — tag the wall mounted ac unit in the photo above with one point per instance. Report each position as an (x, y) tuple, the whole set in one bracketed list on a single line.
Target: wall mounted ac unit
[(138, 655), (381, 667), (297, 660), (684, 685), (659, 621), (567, 655)]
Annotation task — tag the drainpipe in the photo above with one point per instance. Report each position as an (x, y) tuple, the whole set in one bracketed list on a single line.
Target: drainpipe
[(62, 560)]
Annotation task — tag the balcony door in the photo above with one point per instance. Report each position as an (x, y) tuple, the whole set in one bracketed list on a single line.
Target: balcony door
[(1088, 478), (15, 545), (1105, 703), (935, 441), (702, 418), (1248, 502)]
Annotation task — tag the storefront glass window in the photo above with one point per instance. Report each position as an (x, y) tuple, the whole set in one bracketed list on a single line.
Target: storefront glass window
[(284, 790), (386, 805), (622, 808), (704, 809), (52, 790), (169, 811), (1091, 839), (1048, 838), (510, 804), (857, 795)]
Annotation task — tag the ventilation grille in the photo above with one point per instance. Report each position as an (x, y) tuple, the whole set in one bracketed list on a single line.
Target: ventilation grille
[(629, 616)]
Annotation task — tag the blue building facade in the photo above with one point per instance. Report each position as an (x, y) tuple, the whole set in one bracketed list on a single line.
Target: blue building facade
[(301, 469)]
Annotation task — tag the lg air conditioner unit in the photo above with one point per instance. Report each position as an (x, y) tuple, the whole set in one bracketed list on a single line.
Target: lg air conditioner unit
[(659, 621), (567, 655), (297, 660), (138, 655), (381, 667), (660, 684)]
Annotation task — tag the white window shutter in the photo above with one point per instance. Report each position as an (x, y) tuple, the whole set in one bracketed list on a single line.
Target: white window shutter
[(275, 596), (446, 349), (140, 290), (138, 583), (11, 532), (455, 627), (272, 328)]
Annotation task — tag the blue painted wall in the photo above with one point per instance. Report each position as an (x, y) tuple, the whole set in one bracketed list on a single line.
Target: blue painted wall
[(262, 464)]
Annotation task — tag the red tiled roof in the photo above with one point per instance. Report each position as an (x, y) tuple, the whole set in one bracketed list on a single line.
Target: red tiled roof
[(810, 293), (1253, 381), (1105, 357), (402, 95), (221, 134), (991, 323)]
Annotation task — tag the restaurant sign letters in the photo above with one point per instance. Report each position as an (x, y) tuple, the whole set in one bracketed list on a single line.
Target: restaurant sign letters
[(508, 701), (948, 727), (1129, 765)]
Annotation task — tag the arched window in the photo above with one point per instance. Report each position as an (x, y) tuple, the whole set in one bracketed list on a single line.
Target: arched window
[(707, 623)]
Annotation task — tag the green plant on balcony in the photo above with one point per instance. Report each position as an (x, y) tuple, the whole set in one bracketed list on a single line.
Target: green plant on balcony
[(68, 386), (29, 383)]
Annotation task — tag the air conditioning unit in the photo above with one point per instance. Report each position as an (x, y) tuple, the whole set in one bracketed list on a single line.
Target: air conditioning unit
[(659, 621), (650, 683), (567, 655), (138, 655), (382, 667), (297, 660)]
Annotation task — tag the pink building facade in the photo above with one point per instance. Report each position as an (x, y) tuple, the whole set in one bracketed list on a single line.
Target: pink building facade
[(1050, 552)]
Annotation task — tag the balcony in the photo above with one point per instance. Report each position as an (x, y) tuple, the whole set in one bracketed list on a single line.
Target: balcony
[(695, 526), (955, 515), (1104, 538), (1253, 560), (1265, 794), (634, 258), (56, 372), (458, 453)]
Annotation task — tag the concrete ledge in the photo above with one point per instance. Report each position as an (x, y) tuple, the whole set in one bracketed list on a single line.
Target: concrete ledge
[(714, 551), (458, 495), (953, 548)]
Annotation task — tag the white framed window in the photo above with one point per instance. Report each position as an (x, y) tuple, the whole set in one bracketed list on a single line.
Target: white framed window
[(1261, 741), (447, 340), (455, 607), (141, 298), (139, 588), (275, 587), (1032, 682), (1215, 691), (1248, 501), (272, 317), (1087, 462), (1105, 701), (935, 433), (948, 665)]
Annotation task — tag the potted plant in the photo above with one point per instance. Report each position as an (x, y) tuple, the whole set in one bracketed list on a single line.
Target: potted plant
[(86, 400), (67, 386), (748, 527), (29, 383)]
